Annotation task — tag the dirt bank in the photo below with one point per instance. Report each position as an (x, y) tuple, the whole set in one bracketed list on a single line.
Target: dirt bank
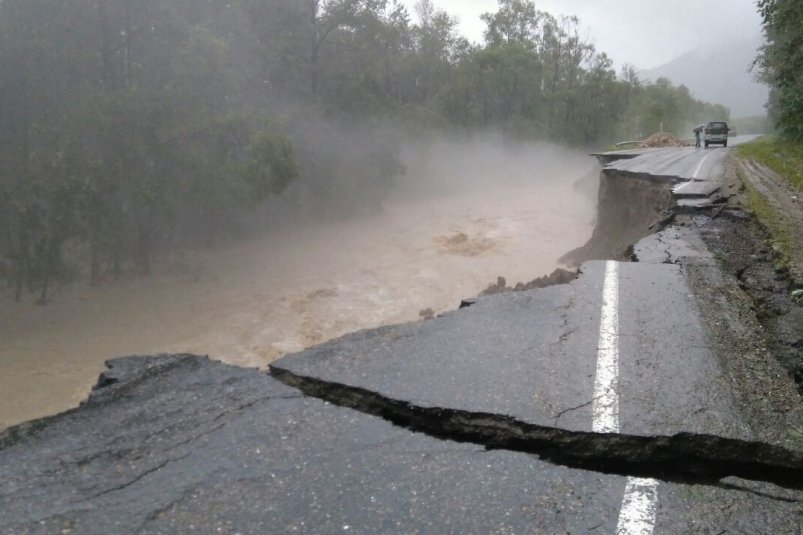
[(627, 210), (749, 250)]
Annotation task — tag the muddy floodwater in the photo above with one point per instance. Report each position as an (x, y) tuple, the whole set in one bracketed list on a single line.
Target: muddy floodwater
[(247, 303)]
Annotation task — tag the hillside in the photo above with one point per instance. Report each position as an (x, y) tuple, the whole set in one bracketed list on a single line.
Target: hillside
[(718, 74)]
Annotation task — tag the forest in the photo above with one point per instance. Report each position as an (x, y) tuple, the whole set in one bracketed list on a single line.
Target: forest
[(780, 64), (130, 129)]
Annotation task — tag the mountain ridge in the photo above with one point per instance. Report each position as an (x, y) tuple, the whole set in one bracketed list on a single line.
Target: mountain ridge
[(718, 74)]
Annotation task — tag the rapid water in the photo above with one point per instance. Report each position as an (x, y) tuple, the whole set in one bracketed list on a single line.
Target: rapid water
[(250, 302)]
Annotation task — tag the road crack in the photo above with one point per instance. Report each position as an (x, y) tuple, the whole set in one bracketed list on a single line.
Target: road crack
[(571, 409), (139, 477), (682, 458)]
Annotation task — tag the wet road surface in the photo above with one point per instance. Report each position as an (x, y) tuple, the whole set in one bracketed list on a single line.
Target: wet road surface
[(183, 444)]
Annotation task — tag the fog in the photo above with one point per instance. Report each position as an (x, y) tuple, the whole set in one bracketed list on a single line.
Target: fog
[(465, 211), (484, 162), (645, 34)]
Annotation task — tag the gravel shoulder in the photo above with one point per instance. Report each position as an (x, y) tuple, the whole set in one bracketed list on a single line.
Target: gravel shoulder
[(757, 238)]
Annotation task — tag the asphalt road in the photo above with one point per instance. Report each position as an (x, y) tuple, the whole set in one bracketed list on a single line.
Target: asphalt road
[(533, 356), (523, 412), (673, 163)]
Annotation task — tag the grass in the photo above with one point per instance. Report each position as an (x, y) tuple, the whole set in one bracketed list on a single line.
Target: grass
[(781, 240), (783, 157), (786, 159)]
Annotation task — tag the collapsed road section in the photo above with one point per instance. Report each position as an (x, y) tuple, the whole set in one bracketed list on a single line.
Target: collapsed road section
[(183, 443), (684, 457), (480, 420)]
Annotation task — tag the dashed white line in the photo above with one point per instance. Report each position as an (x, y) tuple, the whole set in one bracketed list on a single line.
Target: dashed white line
[(637, 516), (700, 166), (685, 184), (606, 399)]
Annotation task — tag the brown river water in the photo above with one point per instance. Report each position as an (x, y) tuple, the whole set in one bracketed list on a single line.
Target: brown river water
[(248, 303)]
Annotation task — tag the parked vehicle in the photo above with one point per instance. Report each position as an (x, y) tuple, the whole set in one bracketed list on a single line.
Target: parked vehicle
[(716, 133)]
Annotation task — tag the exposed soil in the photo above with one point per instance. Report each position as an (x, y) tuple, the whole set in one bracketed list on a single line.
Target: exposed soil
[(784, 199), (627, 211), (559, 276), (744, 248)]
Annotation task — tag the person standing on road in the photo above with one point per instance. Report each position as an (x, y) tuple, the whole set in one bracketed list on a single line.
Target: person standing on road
[(697, 131)]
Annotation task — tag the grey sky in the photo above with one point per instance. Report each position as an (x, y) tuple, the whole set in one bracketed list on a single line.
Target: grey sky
[(646, 33)]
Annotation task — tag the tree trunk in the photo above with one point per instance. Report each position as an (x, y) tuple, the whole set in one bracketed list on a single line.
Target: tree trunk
[(43, 294), (94, 265), (315, 44)]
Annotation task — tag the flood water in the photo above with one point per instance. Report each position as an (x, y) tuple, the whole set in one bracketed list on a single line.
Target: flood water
[(248, 303)]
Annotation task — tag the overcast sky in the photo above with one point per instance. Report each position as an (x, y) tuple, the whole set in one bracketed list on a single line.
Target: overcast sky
[(646, 33)]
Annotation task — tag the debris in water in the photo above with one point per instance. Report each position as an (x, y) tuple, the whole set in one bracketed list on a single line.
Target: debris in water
[(462, 244)]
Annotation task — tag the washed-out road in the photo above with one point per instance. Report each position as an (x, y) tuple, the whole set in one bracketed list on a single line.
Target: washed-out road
[(621, 402)]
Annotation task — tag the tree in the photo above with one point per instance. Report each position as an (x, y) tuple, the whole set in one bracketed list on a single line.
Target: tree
[(436, 42), (123, 128), (130, 128), (41, 70), (516, 22), (780, 63)]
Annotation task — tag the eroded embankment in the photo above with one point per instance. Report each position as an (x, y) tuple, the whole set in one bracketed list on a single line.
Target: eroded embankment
[(628, 209), (634, 205), (748, 252)]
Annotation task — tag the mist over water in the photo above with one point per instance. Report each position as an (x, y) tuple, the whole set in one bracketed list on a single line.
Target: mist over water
[(465, 212)]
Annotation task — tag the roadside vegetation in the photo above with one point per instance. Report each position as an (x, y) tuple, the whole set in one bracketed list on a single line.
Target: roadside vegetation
[(782, 242), (780, 64), (130, 129), (785, 157)]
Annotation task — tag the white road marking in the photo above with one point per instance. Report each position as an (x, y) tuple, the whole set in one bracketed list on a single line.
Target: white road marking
[(678, 188), (637, 516), (700, 166), (606, 399)]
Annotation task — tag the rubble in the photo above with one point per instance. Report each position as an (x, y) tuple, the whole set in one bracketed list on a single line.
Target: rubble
[(662, 139), (559, 276)]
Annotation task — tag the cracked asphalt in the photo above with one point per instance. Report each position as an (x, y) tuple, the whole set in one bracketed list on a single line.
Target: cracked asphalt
[(530, 356), (424, 427)]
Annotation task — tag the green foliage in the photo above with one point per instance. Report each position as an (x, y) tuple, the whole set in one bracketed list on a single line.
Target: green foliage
[(782, 242), (127, 131), (495, 86), (782, 156), (665, 107), (781, 63), (270, 166), (132, 127), (785, 158), (515, 23)]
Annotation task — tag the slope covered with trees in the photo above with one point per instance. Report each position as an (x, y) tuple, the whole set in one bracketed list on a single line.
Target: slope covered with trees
[(130, 128), (781, 63)]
